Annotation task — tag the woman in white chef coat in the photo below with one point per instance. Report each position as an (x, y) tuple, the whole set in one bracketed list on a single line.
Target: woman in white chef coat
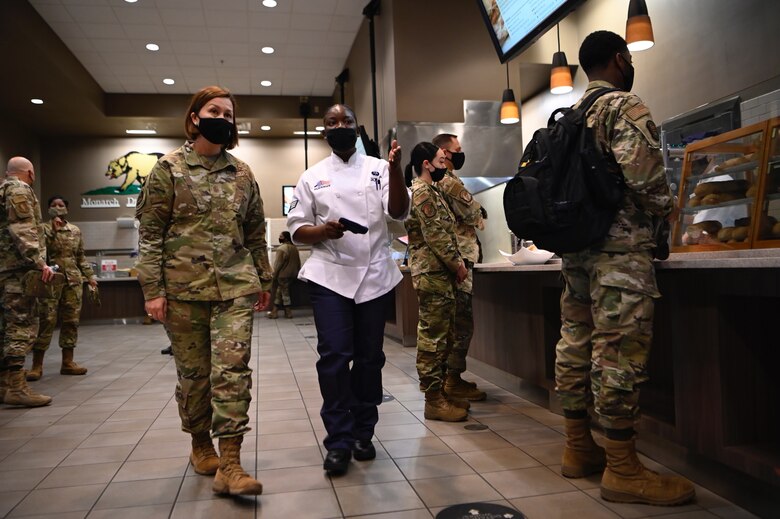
[(350, 277)]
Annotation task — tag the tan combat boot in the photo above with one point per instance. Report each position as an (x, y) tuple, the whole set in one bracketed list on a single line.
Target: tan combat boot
[(581, 455), (69, 366), (456, 387), (437, 407), (626, 480), (36, 372), (19, 393), (3, 384), (231, 478), (288, 312), (203, 457), (273, 313)]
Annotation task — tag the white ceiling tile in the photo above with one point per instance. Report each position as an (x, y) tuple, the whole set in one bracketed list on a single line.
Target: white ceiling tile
[(195, 83), (103, 30), (303, 74), (190, 47), (36, 3), (302, 51), (92, 14), (79, 45), (110, 85), (54, 13), (151, 33), (105, 45), (333, 52), (238, 86), (268, 37), (133, 82), (344, 39), (353, 7), (121, 60), (161, 71), (220, 49), (310, 22), (268, 20), (225, 34), (325, 83), (334, 64), (227, 5), (195, 60), (233, 72), (258, 74), (88, 2), (226, 19), (198, 72), (346, 23), (283, 6), (135, 15), (232, 61), (186, 17), (186, 33), (297, 86), (131, 70), (314, 6)]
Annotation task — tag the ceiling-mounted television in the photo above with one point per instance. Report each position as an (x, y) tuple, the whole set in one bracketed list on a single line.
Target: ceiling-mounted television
[(515, 24)]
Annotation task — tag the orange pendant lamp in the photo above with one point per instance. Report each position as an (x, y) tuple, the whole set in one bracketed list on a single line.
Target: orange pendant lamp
[(639, 30), (560, 75), (510, 112)]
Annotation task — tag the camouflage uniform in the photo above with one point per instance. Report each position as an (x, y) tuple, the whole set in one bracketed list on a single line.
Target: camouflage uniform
[(66, 249), (468, 216), (287, 263), (434, 258), (608, 299), (21, 250), (202, 245)]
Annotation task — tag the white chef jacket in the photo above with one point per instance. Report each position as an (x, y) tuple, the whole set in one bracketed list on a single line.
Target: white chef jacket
[(356, 266)]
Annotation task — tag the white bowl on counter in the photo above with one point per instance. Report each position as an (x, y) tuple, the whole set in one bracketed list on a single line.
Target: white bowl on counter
[(525, 256)]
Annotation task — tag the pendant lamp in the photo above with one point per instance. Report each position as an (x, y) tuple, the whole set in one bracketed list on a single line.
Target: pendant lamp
[(639, 30), (560, 75), (510, 112)]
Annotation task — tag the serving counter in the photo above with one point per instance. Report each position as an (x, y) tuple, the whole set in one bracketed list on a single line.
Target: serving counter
[(120, 298), (714, 389)]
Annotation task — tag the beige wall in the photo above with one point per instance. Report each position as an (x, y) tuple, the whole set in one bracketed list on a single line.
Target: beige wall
[(15, 141), (74, 166)]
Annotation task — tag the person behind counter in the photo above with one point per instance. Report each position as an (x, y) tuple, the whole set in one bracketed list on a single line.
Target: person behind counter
[(469, 216), (350, 277), (64, 248), (609, 292), (202, 264), (22, 253), (287, 263), (437, 268)]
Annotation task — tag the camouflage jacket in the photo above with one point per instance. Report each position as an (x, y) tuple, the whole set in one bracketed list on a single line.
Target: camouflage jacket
[(287, 262), (202, 231), (433, 246), (21, 242), (624, 127), (64, 247), (467, 211)]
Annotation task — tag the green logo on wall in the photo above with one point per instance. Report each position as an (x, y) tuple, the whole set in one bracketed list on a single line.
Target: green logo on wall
[(134, 167)]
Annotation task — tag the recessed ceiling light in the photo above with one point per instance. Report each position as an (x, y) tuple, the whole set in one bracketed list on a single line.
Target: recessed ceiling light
[(265, 127), (267, 50), (152, 47), (168, 81), (36, 101), (307, 133), (265, 83), (141, 132), (319, 128), (243, 132), (269, 3), (131, 1)]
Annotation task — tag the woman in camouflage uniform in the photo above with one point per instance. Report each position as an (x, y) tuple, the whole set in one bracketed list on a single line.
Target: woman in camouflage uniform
[(203, 261), (437, 267), (64, 248)]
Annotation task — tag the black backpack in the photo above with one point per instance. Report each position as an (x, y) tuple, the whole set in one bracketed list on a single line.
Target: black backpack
[(566, 191)]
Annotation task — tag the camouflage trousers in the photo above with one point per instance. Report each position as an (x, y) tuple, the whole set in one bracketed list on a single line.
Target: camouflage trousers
[(68, 306), (606, 332), (211, 343), (463, 331), (281, 291), (436, 300), (19, 322)]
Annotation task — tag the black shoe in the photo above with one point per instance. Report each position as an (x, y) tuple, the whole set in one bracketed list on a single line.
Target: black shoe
[(337, 462), (167, 351), (363, 450)]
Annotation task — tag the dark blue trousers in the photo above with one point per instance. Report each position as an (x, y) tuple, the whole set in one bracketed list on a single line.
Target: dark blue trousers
[(348, 332)]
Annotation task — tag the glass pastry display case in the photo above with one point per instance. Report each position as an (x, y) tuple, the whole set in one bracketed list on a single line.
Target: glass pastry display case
[(728, 195)]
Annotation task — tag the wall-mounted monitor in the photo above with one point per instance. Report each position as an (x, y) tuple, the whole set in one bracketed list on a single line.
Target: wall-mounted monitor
[(515, 24), (287, 197)]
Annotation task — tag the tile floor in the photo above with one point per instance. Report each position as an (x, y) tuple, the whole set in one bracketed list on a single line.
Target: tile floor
[(110, 446)]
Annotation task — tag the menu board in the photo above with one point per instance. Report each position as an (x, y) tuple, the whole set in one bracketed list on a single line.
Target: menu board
[(516, 24)]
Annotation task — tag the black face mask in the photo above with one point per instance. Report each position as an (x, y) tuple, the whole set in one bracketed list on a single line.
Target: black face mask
[(341, 139), (628, 78), (438, 174), (216, 130), (458, 158)]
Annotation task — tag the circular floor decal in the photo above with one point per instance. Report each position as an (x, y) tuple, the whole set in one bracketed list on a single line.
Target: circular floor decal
[(479, 511)]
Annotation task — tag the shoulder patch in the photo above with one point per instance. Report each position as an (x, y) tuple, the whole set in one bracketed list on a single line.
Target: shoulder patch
[(428, 209), (420, 196), (637, 112), (466, 196), (653, 129), (21, 205)]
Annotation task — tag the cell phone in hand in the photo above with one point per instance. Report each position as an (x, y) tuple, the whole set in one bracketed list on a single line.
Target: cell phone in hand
[(353, 227)]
